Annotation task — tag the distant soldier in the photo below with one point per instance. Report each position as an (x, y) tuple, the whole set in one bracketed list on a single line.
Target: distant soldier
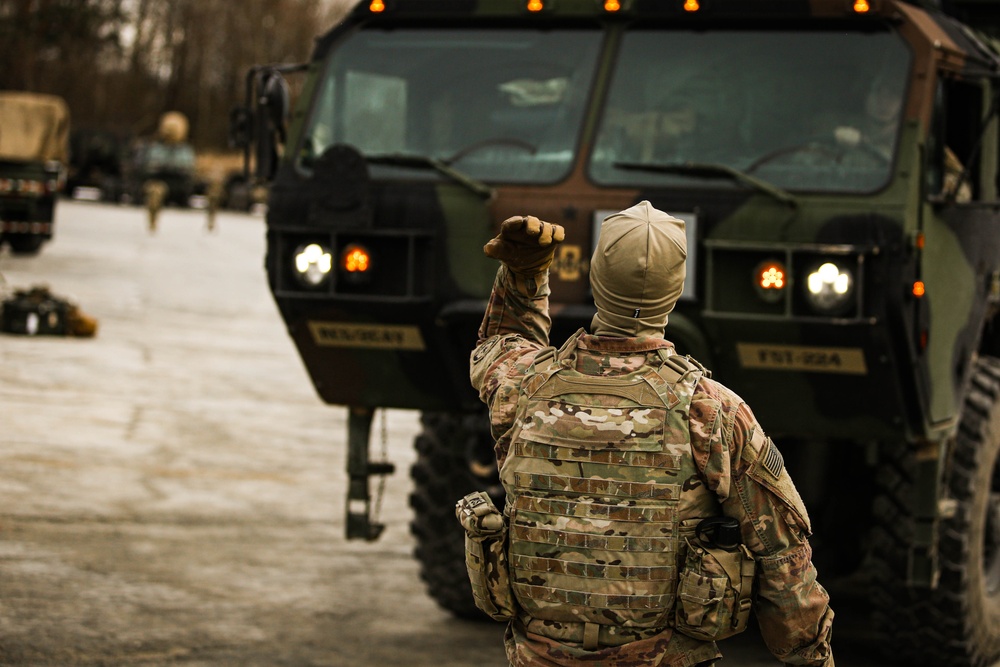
[(169, 163), (643, 500), (155, 193), (214, 193)]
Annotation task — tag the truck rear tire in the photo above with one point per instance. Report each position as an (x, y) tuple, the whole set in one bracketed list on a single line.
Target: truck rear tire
[(441, 476), (958, 623)]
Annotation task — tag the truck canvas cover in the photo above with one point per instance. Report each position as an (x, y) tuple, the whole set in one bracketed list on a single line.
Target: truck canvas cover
[(33, 127)]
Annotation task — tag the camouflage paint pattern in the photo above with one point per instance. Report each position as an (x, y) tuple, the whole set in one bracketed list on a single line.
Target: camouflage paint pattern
[(731, 468)]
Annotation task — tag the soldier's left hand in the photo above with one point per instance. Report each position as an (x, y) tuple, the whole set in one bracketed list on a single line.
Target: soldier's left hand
[(525, 244)]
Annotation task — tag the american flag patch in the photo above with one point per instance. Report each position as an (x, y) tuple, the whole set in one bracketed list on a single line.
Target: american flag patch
[(771, 459)]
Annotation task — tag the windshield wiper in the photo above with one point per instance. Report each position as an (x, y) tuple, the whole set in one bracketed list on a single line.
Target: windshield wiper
[(711, 170), (413, 161)]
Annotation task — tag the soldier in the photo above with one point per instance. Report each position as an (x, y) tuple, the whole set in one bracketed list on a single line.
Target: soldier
[(154, 191), (877, 126), (643, 499)]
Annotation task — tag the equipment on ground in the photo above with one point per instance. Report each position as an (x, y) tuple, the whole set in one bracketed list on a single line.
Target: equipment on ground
[(38, 312)]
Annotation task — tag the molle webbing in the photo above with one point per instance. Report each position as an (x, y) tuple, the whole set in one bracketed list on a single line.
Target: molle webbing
[(596, 487), (592, 455), (595, 510), (602, 601), (619, 572), (618, 543)]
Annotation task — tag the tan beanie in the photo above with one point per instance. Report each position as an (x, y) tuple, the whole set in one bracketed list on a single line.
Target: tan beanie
[(637, 272)]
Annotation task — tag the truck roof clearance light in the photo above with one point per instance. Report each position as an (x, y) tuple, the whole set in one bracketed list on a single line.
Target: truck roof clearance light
[(919, 289), (691, 5), (861, 6), (376, 6), (355, 259), (535, 5), (313, 264), (612, 5), (829, 288), (770, 280)]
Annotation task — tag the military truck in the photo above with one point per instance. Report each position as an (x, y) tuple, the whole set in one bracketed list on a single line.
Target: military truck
[(836, 162), (34, 147), (95, 163)]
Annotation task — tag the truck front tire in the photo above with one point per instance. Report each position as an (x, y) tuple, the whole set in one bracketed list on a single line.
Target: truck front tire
[(957, 624), (441, 476)]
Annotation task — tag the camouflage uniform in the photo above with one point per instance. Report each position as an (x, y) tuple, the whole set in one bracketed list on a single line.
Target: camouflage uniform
[(736, 464)]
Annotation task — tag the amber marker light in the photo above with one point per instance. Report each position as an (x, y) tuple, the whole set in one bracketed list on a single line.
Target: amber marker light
[(612, 5), (861, 6), (770, 280), (376, 6), (355, 259), (535, 5), (773, 277), (691, 5), (919, 289)]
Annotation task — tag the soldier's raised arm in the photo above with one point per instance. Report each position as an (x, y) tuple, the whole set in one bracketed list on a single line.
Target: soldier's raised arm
[(516, 323)]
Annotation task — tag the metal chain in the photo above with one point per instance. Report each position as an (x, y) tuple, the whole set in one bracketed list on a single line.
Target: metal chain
[(380, 493)]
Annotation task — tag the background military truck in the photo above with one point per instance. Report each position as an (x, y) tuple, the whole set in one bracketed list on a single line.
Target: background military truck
[(34, 147), (837, 165), (95, 163)]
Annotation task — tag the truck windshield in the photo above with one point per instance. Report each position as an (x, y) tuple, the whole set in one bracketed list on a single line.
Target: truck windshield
[(814, 111), (498, 105)]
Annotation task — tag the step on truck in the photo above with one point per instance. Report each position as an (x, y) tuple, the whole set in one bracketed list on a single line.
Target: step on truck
[(34, 152), (836, 162)]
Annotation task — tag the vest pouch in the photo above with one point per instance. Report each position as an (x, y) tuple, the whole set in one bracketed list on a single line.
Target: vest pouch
[(714, 592), (486, 555)]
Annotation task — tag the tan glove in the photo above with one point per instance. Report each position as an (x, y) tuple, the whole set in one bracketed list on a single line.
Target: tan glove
[(525, 244)]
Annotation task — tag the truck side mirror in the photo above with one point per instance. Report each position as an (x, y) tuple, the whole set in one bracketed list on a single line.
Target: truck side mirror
[(270, 116)]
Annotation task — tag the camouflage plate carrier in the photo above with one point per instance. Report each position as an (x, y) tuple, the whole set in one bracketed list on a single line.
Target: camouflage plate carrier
[(594, 483)]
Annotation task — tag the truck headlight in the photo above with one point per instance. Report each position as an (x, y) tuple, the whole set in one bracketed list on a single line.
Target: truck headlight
[(313, 263), (829, 288)]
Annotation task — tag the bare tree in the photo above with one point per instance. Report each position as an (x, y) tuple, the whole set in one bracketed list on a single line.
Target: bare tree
[(122, 63)]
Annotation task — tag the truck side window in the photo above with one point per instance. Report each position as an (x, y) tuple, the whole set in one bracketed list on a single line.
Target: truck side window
[(954, 159)]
